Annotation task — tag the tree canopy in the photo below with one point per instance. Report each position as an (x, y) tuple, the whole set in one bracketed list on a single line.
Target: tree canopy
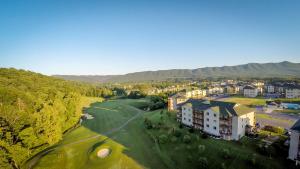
[(35, 111)]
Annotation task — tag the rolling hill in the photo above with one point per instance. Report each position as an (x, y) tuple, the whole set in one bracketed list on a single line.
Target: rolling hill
[(251, 70)]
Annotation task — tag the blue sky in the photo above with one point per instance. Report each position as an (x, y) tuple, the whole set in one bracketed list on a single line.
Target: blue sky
[(118, 37)]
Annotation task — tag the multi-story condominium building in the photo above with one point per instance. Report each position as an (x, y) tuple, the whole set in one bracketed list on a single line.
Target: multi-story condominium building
[(184, 96), (292, 92), (258, 84), (224, 119), (215, 90), (270, 88), (231, 89), (198, 93), (250, 91), (294, 151), (174, 100)]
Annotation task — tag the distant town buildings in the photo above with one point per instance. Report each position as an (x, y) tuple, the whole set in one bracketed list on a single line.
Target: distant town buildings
[(183, 96), (292, 91), (250, 91)]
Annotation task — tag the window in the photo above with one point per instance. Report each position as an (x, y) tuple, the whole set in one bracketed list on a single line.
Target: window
[(207, 113), (215, 115), (207, 119), (189, 119), (183, 118), (215, 128), (207, 125), (184, 108), (215, 121)]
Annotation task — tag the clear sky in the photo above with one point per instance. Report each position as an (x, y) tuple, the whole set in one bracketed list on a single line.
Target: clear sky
[(118, 37)]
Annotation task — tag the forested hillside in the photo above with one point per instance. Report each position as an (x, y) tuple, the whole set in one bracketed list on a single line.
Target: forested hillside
[(250, 70), (35, 111)]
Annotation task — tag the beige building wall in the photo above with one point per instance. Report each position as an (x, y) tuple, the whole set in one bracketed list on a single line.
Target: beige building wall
[(239, 124)]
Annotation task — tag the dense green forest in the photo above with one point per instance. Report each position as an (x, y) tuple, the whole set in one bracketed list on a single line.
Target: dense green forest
[(35, 111)]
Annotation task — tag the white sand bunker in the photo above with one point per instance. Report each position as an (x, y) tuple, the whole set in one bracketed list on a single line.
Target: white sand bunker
[(88, 116), (103, 153)]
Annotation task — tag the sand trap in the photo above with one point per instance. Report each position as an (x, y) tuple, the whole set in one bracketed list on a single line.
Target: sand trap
[(103, 153), (88, 116)]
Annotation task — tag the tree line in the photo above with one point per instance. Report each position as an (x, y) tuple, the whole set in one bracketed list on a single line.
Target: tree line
[(35, 111)]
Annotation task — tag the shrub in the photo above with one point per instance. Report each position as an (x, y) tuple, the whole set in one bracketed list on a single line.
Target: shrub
[(203, 163), (148, 123), (177, 133), (201, 148), (189, 147), (274, 129), (168, 114), (191, 130), (223, 166), (163, 139), (204, 136), (180, 126), (226, 154), (190, 158), (173, 139), (161, 112), (187, 139), (253, 159)]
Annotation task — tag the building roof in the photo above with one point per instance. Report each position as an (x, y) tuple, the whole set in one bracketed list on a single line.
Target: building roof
[(291, 86), (224, 108), (296, 126), (249, 87)]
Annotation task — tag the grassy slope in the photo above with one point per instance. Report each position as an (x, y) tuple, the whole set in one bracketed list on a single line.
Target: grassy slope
[(127, 144), (132, 146), (184, 155)]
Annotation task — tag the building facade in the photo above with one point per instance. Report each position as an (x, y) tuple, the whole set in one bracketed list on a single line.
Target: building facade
[(223, 119), (292, 93), (294, 150), (250, 91)]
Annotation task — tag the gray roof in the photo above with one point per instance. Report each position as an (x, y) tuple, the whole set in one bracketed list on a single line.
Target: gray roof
[(296, 126), (249, 87), (224, 108)]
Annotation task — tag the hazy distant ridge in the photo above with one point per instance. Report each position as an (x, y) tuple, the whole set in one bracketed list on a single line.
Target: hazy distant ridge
[(255, 70)]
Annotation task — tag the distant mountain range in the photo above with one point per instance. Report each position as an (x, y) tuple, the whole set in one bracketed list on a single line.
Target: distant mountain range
[(251, 70)]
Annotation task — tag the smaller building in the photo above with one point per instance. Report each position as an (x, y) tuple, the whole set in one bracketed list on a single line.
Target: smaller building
[(292, 92), (174, 100), (250, 91), (270, 88), (231, 89), (294, 150)]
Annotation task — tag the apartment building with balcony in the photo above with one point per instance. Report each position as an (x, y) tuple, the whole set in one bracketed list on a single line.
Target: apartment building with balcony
[(223, 119)]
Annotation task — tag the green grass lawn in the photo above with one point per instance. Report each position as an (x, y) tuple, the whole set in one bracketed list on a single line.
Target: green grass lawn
[(181, 155), (268, 117), (288, 111), (247, 101), (134, 146)]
